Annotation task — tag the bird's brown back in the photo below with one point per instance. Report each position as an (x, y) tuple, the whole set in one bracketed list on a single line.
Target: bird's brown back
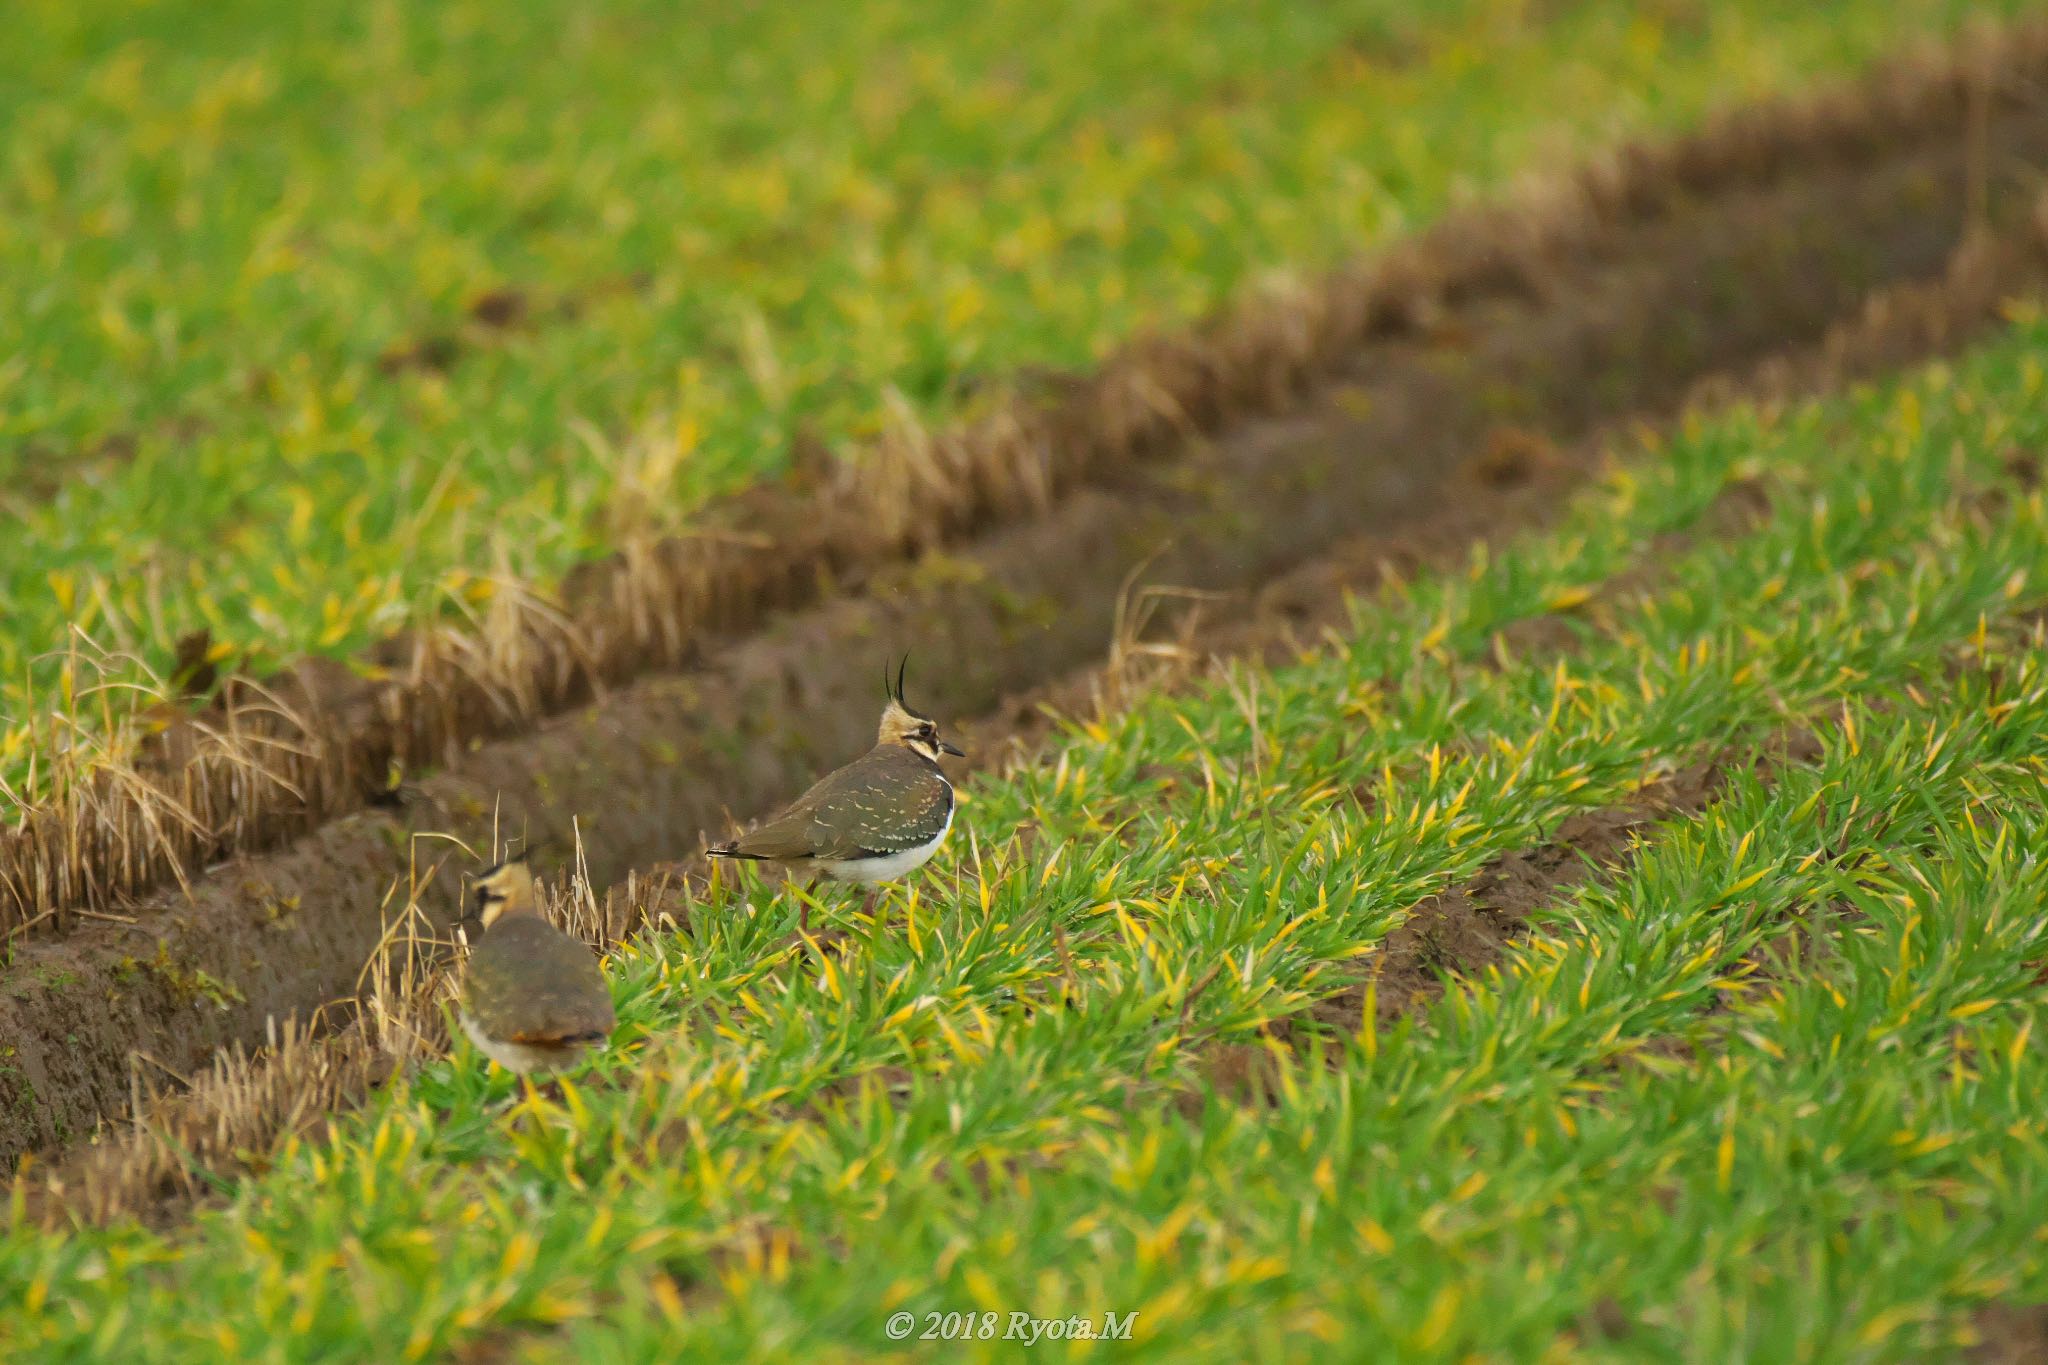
[(528, 982), (887, 800)]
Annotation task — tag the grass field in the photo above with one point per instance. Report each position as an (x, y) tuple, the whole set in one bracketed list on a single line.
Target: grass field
[(315, 319), (1768, 1092)]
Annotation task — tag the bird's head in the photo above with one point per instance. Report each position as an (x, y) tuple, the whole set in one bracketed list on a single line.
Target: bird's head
[(901, 725), (506, 889)]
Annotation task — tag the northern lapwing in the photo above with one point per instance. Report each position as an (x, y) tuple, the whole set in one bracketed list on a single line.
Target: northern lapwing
[(880, 817), (533, 998)]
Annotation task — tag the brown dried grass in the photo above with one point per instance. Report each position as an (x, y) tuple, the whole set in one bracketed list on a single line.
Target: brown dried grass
[(153, 798)]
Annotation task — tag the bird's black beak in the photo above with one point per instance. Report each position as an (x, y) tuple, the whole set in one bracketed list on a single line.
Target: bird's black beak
[(952, 749)]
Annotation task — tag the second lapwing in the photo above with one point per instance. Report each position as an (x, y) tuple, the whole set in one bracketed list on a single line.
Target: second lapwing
[(880, 817), (533, 999)]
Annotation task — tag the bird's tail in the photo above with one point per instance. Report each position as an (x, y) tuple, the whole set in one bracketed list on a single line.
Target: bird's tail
[(732, 850)]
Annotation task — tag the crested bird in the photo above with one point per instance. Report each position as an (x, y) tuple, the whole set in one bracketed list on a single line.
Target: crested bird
[(880, 817), (533, 998)]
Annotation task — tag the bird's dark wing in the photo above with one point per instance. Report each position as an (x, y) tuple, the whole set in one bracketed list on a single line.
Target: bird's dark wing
[(786, 838), (885, 801), (528, 982), (891, 800)]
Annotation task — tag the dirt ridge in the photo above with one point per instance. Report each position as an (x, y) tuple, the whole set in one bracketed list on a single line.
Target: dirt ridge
[(268, 762)]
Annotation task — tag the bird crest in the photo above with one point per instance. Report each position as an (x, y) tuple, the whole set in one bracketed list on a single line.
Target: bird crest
[(901, 725)]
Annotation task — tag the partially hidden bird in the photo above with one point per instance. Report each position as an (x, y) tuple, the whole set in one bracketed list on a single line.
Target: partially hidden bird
[(533, 998), (880, 817)]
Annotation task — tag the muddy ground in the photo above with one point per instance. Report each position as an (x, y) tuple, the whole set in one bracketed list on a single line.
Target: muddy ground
[(1469, 420)]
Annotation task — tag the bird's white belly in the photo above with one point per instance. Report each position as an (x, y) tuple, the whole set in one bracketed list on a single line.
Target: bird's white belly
[(523, 1058), (886, 868)]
